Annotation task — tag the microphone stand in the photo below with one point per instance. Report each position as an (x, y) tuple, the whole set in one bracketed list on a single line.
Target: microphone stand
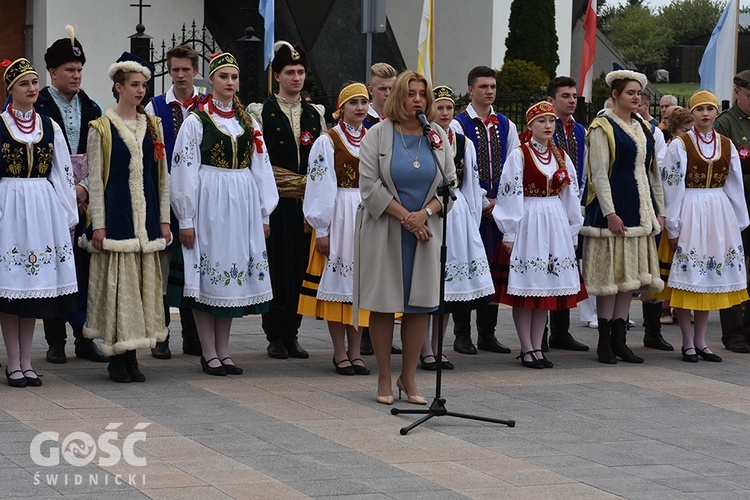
[(437, 408)]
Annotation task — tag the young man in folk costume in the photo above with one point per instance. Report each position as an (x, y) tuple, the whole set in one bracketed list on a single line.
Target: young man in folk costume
[(173, 107), (290, 126), (70, 107), (494, 137)]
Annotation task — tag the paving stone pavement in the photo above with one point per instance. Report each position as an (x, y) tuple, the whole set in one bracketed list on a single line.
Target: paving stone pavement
[(294, 429)]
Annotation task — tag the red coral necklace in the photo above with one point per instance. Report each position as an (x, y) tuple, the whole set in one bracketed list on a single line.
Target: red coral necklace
[(25, 125), (354, 141), (224, 114), (544, 158), (701, 140)]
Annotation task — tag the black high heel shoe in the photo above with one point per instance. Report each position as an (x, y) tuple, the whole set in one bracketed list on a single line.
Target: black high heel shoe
[(16, 382), (545, 362), (231, 369), (535, 363), (34, 381), (219, 371)]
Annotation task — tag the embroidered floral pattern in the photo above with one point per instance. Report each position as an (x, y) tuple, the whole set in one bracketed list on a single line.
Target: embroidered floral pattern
[(220, 275), (44, 159), (672, 176), (218, 157), (186, 157), (460, 271), (32, 261), (514, 188), (706, 264), (318, 168), (340, 266), (13, 158), (551, 265)]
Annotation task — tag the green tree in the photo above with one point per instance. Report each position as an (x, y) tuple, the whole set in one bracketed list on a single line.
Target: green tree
[(521, 77), (532, 35), (639, 35), (689, 19)]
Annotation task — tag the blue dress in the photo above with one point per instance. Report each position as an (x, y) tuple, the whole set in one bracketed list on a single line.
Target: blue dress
[(412, 185)]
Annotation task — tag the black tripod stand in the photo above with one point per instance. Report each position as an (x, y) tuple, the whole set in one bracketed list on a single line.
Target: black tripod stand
[(437, 408)]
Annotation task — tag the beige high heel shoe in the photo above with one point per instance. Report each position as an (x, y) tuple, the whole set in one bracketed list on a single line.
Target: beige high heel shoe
[(415, 400), (384, 400)]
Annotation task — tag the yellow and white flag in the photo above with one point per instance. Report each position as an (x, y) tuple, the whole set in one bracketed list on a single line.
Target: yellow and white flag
[(426, 45)]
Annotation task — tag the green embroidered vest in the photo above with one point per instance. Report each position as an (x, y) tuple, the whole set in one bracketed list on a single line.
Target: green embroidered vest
[(219, 149)]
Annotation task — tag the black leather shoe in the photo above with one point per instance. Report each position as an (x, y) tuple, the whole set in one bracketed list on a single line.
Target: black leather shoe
[(690, 358), (738, 346), (161, 351), (463, 345), (295, 350), (56, 354), (396, 350), (219, 371), (16, 382), (117, 370), (231, 369), (428, 365), (34, 380), (365, 348), (566, 341), (708, 356), (131, 365), (87, 349), (491, 344), (277, 350)]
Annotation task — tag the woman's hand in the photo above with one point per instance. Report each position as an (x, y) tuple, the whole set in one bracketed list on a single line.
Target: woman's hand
[(166, 232), (322, 245), (266, 230), (615, 224), (414, 221), (98, 239), (673, 243), (187, 237), (487, 211), (508, 246)]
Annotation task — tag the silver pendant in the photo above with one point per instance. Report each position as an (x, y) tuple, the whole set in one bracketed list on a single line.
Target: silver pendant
[(416, 164)]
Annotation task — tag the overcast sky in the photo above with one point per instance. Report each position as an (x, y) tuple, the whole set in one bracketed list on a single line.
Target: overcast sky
[(659, 3)]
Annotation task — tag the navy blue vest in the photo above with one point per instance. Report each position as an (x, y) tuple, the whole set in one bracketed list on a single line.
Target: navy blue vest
[(580, 160), (470, 131), (14, 156), (90, 111)]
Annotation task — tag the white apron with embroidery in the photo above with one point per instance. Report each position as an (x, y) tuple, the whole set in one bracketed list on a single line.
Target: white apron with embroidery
[(228, 264), (36, 250)]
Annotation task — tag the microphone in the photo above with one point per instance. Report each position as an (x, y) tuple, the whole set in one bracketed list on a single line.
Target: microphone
[(422, 119)]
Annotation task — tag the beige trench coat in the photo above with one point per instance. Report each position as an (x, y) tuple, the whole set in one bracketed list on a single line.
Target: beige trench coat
[(378, 280)]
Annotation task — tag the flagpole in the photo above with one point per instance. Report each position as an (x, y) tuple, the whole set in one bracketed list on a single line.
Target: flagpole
[(270, 80), (736, 36)]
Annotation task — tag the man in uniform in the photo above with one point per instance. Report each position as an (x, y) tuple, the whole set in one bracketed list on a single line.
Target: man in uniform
[(173, 107), (290, 126), (72, 109), (735, 124)]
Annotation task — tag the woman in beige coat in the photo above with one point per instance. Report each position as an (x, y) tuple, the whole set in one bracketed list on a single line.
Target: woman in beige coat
[(398, 234)]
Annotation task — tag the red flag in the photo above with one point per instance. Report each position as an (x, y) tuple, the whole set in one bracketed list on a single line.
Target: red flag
[(589, 51)]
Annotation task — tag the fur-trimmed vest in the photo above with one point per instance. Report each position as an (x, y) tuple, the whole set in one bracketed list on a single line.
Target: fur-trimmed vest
[(634, 180), (132, 180)]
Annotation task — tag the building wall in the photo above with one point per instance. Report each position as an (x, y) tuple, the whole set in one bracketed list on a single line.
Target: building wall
[(12, 29), (468, 33), (103, 27)]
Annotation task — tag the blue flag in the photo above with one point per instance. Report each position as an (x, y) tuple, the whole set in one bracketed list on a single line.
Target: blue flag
[(266, 9)]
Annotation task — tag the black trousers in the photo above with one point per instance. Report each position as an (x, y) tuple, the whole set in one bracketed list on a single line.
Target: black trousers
[(486, 321), (735, 323)]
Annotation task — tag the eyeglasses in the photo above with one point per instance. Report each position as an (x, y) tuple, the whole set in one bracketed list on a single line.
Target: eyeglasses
[(744, 91)]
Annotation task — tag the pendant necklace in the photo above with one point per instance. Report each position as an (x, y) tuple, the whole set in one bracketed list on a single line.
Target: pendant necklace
[(415, 160)]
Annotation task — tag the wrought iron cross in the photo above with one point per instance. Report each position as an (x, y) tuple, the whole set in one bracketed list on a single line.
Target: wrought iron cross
[(140, 6)]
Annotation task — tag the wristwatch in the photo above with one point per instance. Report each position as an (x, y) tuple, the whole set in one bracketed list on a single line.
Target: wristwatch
[(429, 212)]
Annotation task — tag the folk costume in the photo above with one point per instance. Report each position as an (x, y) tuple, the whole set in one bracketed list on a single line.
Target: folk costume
[(222, 185), (468, 283), (129, 198), (706, 211), (493, 140), (37, 211), (73, 117), (623, 178), (290, 129), (372, 118), (539, 211), (330, 207)]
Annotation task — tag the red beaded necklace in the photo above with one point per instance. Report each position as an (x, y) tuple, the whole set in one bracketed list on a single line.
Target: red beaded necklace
[(713, 142), (25, 125), (544, 158), (224, 114), (354, 141)]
